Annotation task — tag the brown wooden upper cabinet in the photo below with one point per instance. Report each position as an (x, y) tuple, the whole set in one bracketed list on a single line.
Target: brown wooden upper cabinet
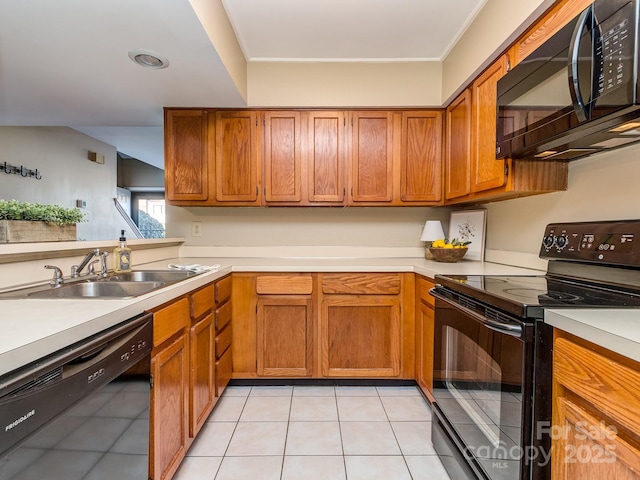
[(186, 155), (486, 171), (472, 172), (371, 157), (421, 157), (237, 163), (326, 157), (458, 147), (282, 157), (303, 157)]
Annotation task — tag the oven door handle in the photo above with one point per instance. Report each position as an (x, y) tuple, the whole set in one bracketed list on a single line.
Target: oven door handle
[(495, 325)]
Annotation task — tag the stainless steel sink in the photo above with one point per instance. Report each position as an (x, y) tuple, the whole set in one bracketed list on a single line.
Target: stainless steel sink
[(169, 276), (98, 289), (117, 286)]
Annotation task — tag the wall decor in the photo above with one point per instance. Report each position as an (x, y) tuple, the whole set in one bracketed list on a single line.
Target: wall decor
[(469, 226)]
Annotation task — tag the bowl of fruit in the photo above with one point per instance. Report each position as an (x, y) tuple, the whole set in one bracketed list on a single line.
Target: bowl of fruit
[(448, 252)]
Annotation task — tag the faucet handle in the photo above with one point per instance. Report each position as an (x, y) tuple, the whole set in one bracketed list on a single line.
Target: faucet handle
[(103, 263), (90, 268), (57, 275)]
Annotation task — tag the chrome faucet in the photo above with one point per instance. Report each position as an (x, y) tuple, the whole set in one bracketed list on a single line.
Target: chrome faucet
[(57, 275), (77, 269), (103, 264)]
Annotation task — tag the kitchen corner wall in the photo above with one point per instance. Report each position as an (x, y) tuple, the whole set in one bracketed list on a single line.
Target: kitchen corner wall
[(605, 186), (299, 226), (60, 155)]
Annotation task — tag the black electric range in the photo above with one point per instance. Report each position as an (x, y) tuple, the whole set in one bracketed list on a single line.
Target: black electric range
[(591, 265), (492, 366)]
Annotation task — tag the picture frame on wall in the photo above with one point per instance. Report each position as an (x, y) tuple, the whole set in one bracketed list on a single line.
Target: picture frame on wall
[(469, 226)]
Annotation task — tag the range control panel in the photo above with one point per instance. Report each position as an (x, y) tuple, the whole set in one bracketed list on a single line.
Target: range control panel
[(609, 242)]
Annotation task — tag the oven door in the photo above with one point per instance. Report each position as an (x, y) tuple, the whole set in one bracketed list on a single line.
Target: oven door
[(482, 379)]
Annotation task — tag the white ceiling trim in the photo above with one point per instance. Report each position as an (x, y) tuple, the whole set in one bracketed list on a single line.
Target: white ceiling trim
[(465, 27)]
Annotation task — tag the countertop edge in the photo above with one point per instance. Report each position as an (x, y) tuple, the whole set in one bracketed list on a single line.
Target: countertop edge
[(615, 334)]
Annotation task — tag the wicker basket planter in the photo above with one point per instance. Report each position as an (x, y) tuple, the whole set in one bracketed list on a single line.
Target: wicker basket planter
[(27, 231)]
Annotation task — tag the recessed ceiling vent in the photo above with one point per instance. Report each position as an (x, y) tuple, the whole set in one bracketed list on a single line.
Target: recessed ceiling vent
[(148, 58)]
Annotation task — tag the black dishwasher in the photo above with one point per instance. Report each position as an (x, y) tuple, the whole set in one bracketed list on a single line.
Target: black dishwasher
[(81, 412)]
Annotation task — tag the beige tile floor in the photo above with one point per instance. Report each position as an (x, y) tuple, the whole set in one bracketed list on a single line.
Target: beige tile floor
[(316, 433)]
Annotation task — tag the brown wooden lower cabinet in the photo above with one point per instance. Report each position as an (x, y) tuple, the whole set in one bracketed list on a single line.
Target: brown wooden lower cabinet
[(323, 325), (360, 336), (190, 367), (424, 336), (285, 337), (169, 405), (596, 412), (201, 384)]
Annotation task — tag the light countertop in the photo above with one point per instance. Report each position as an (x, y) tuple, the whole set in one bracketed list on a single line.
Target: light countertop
[(33, 328), (615, 329)]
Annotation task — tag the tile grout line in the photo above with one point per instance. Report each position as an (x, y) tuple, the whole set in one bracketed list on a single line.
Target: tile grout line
[(224, 455), (286, 435)]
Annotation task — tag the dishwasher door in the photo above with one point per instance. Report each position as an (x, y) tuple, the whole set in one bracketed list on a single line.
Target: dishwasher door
[(68, 413)]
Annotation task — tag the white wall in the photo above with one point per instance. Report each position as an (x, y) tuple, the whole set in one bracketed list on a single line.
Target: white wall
[(60, 154), (395, 84), (311, 226), (605, 186)]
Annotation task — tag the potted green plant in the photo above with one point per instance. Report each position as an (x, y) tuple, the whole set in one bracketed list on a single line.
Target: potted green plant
[(37, 222)]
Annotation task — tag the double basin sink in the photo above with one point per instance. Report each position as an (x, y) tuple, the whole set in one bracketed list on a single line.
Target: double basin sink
[(115, 286)]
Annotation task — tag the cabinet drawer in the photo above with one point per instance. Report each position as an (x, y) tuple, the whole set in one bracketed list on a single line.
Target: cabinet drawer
[(223, 316), (202, 301), (361, 283), (170, 320), (610, 385), (284, 285), (223, 341), (223, 289), (422, 290)]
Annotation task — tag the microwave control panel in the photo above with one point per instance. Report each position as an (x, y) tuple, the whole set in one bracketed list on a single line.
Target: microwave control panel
[(614, 49)]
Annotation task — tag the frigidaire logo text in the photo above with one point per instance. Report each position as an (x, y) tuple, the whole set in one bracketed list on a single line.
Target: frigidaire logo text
[(18, 421)]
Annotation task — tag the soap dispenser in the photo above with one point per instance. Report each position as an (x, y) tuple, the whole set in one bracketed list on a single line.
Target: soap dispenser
[(122, 256)]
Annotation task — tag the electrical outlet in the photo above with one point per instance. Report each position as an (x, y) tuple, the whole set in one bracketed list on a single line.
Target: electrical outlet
[(196, 229)]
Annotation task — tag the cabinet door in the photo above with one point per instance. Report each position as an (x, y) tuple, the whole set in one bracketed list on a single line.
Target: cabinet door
[(556, 18), (424, 336), (590, 448), (458, 147), (421, 157), (237, 158), (201, 385), (487, 172), (186, 155), (372, 157), (285, 336), (282, 157), (169, 411), (326, 147), (360, 336)]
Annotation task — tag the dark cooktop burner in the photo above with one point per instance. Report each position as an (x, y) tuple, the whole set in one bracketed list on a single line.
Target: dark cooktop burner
[(527, 296)]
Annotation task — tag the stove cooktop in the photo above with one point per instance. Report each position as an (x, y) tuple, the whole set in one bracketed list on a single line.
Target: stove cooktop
[(527, 296)]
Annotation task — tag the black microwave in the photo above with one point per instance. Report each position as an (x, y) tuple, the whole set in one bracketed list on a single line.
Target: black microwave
[(576, 94)]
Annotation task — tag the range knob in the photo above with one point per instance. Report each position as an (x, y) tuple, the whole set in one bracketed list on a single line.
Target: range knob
[(562, 241), (548, 240)]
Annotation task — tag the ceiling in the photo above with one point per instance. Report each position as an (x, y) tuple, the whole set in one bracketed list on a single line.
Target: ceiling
[(65, 62)]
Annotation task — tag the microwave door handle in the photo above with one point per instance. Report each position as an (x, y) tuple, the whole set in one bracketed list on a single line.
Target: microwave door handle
[(574, 52)]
